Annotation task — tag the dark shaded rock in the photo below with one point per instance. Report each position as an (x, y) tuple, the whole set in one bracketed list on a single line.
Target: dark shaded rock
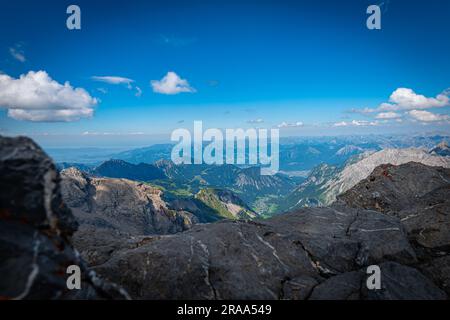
[(391, 189), (345, 286), (341, 238), (299, 288), (438, 270), (30, 187), (223, 260), (35, 230), (281, 258), (416, 194), (97, 244), (399, 282), (381, 238)]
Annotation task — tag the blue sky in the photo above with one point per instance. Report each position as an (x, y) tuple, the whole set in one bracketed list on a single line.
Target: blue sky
[(308, 67)]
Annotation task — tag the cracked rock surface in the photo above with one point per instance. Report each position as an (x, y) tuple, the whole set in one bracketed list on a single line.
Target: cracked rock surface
[(418, 196), (292, 256), (313, 253), (36, 228)]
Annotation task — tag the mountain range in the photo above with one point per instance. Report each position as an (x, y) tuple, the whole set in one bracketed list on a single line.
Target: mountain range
[(265, 195), (326, 182), (133, 244), (296, 153), (257, 191)]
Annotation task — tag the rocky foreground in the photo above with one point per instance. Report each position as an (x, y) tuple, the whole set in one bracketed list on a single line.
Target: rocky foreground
[(36, 229), (397, 218)]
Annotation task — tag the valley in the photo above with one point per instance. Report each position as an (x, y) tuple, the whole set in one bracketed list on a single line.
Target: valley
[(328, 167)]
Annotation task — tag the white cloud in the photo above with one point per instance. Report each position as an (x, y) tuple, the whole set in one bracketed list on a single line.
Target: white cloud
[(171, 84), (17, 54), (255, 121), (37, 97), (290, 125), (113, 79), (356, 123), (406, 99), (340, 124), (426, 116), (388, 115)]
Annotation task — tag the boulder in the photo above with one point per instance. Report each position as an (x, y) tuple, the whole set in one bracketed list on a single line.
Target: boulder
[(36, 228)]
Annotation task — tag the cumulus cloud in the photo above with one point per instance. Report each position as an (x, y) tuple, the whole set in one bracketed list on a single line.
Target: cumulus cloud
[(404, 99), (290, 125), (37, 97), (17, 53), (426, 116), (388, 115), (355, 123), (171, 84)]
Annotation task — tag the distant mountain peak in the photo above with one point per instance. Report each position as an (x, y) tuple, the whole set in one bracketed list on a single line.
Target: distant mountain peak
[(116, 168), (441, 149), (349, 149)]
